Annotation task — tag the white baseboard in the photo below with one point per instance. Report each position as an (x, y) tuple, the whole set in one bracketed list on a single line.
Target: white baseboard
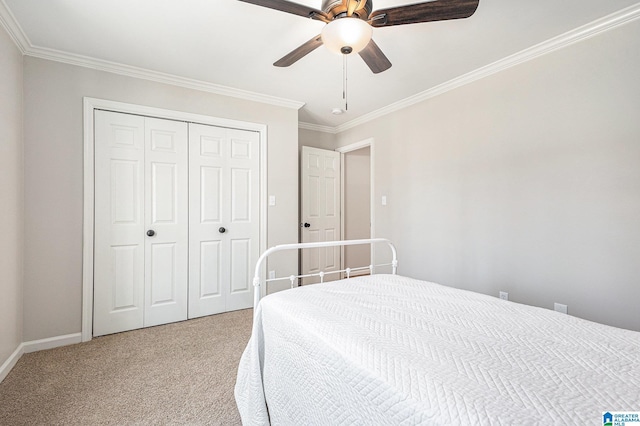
[(11, 362), (52, 342), (37, 345)]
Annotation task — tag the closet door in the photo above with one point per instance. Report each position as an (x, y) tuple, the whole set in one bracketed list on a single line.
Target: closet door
[(119, 236), (224, 218), (141, 222), (166, 218)]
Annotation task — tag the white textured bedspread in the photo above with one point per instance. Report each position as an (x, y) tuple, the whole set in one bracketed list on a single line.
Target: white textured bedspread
[(393, 350)]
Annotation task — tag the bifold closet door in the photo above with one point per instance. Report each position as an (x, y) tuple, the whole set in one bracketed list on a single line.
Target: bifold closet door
[(167, 217), (141, 222), (224, 221)]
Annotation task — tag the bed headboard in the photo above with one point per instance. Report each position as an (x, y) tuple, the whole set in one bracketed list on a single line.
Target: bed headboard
[(256, 277)]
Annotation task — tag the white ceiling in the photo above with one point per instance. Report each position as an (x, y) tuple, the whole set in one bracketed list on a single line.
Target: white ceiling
[(234, 44)]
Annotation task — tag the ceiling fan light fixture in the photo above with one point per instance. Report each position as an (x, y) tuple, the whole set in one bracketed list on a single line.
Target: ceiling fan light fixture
[(346, 35)]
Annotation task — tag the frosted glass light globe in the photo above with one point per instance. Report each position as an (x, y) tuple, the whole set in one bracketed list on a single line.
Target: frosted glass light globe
[(348, 32)]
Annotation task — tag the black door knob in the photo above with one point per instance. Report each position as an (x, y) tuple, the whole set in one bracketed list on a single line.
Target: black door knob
[(222, 230), (306, 225), (151, 232)]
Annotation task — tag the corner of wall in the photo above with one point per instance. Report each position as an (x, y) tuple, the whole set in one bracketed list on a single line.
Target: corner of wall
[(13, 359), (12, 194)]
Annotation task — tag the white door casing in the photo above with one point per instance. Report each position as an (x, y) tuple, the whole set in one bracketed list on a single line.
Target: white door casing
[(320, 211), (344, 150), (223, 219)]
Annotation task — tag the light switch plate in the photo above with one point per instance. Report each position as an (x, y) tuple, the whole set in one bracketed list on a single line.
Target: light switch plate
[(272, 200), (384, 200)]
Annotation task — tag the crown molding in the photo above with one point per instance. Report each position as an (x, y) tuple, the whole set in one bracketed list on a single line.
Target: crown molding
[(317, 127), (159, 77), (10, 24), (591, 29), (23, 43), (594, 28)]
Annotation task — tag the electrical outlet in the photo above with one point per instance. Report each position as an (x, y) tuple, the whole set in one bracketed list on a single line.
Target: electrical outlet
[(504, 295), (272, 275), (559, 307)]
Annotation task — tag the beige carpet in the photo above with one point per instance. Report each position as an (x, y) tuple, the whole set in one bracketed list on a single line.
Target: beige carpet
[(181, 373)]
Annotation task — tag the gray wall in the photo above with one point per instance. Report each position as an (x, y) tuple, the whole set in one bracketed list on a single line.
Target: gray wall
[(527, 181), (11, 197), (315, 139), (54, 174)]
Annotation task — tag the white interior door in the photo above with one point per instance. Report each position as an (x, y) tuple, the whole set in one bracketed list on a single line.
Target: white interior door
[(166, 218), (141, 223), (224, 221), (119, 236), (320, 213)]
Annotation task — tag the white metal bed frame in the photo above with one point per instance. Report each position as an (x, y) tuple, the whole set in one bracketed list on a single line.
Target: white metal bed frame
[(292, 278)]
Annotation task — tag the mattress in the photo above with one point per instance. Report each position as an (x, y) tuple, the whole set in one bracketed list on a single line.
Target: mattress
[(387, 349)]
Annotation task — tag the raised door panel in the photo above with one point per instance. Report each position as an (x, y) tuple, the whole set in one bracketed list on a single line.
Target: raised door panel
[(240, 195), (331, 198), (331, 254), (125, 195), (209, 284), (313, 264), (163, 275), (164, 196), (210, 181), (240, 264), (119, 223), (312, 199), (125, 261), (166, 214)]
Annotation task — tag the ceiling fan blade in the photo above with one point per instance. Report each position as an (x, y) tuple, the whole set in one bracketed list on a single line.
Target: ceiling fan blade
[(374, 58), (291, 7), (438, 10), (299, 53)]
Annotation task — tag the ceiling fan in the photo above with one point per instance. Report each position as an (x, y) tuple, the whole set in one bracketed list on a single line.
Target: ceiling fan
[(350, 24)]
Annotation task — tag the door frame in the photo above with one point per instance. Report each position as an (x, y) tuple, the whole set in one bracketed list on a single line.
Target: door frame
[(369, 142), (92, 104)]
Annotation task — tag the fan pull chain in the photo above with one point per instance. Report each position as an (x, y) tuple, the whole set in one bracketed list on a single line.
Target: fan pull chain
[(344, 82)]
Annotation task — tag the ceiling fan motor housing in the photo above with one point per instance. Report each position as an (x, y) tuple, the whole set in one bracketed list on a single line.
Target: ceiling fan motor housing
[(335, 8)]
